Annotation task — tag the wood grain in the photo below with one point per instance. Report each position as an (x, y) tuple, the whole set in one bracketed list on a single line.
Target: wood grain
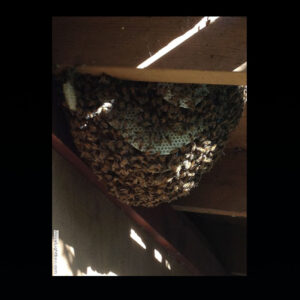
[(177, 244), (221, 191), (167, 75), (128, 41)]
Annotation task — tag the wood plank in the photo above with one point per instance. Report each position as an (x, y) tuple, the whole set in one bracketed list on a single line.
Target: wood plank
[(200, 261), (219, 47), (238, 137), (166, 75), (222, 191), (128, 41)]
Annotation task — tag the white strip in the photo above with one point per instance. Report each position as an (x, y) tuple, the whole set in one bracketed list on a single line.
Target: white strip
[(176, 42), (241, 68), (167, 264), (137, 238), (157, 255)]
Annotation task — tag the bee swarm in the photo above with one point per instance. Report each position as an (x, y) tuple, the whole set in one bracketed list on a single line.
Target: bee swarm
[(150, 142)]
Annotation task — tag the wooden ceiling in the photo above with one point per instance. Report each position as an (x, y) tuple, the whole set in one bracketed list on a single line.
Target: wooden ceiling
[(119, 44), (125, 42)]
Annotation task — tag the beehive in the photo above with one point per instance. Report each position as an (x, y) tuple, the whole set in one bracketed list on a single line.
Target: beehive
[(150, 142)]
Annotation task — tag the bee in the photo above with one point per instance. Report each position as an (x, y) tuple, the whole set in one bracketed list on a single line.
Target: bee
[(154, 120), (147, 115), (115, 166), (159, 191), (94, 147), (132, 90), (168, 139), (164, 108), (141, 144), (147, 153), (83, 126), (111, 145), (125, 149), (206, 143), (213, 147), (136, 165), (123, 162), (187, 164), (86, 155), (91, 138), (119, 144), (131, 197), (104, 124), (124, 172), (105, 168), (108, 177), (103, 155), (156, 137), (100, 177), (174, 151)]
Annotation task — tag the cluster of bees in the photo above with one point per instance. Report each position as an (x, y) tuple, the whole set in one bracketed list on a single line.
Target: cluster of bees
[(148, 178)]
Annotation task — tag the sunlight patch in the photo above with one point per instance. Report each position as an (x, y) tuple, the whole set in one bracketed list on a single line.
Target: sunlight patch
[(168, 266), (91, 272), (157, 255), (241, 68), (137, 238), (176, 42), (65, 255)]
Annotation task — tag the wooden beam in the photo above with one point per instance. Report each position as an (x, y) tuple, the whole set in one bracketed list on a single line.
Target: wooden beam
[(125, 42), (167, 75)]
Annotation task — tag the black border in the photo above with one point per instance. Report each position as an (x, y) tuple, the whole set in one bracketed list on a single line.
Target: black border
[(26, 150)]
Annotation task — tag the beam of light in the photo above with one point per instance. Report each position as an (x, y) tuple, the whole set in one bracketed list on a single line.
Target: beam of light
[(137, 238), (91, 272), (176, 42), (241, 68), (167, 265), (64, 259), (157, 255)]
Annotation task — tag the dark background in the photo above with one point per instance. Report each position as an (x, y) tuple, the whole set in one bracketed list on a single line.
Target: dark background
[(26, 149)]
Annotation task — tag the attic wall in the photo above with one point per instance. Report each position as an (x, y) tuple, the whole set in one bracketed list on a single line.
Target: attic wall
[(94, 235)]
